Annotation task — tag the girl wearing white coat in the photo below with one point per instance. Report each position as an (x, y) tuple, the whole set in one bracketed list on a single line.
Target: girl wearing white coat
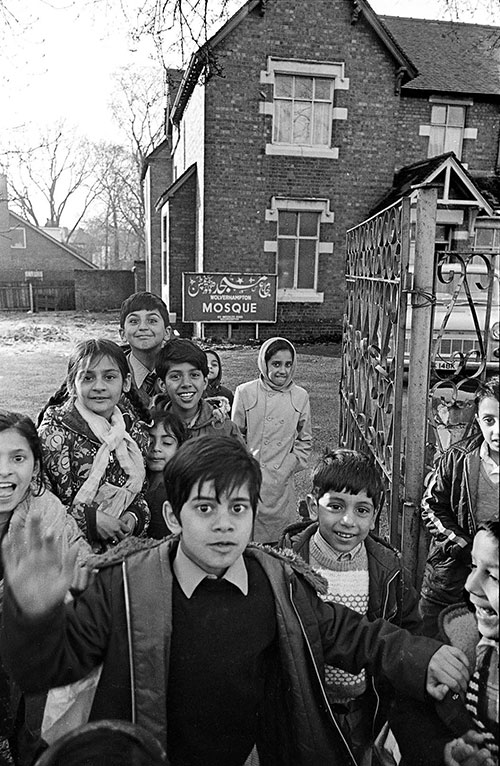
[(274, 416)]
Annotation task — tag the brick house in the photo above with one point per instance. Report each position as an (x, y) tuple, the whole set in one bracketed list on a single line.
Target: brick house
[(322, 113)]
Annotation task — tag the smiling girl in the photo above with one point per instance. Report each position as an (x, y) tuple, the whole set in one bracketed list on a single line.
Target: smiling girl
[(274, 416), (94, 449)]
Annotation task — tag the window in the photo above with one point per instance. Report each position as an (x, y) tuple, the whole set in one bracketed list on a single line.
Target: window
[(301, 102), (446, 129), (303, 110), (298, 238), (18, 237), (487, 239)]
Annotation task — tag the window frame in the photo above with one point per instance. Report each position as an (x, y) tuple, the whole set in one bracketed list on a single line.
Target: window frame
[(326, 216), (447, 127), (333, 71), (22, 230)]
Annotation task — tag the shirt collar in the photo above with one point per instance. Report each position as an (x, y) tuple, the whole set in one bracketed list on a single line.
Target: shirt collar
[(490, 465), (327, 549), (139, 370), (190, 575)]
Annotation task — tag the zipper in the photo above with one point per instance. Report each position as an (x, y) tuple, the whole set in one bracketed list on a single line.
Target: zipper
[(325, 698), (128, 618), (472, 518), (372, 679)]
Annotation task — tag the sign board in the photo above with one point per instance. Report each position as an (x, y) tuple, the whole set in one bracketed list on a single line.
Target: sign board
[(215, 297)]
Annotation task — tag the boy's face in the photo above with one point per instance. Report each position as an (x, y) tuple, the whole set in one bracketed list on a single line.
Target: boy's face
[(145, 330), (163, 446), (279, 367), (487, 418), (214, 533), (185, 384), (482, 583), (344, 519)]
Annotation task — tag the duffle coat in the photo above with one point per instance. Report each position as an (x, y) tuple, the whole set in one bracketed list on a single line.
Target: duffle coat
[(117, 622), (276, 425)]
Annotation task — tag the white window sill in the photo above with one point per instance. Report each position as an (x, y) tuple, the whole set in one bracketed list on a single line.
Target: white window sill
[(290, 150), (300, 296)]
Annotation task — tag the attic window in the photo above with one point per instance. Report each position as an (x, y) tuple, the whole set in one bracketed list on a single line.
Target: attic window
[(447, 129), (18, 237)]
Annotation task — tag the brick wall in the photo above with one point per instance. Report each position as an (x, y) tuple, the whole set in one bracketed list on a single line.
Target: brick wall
[(102, 290), (157, 179), (181, 246), (240, 178)]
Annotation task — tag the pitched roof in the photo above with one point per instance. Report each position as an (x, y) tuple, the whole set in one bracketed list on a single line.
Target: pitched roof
[(410, 178), (201, 59), (61, 245), (451, 57)]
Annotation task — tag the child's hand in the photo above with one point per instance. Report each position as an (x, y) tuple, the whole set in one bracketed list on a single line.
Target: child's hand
[(129, 519), (447, 670), (110, 528), (37, 572), (467, 751)]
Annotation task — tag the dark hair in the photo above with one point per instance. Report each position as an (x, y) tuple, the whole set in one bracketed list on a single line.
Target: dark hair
[(278, 345), (492, 526), (26, 428), (89, 351), (179, 351), (170, 421), (143, 301), (347, 470), (222, 459), (488, 390)]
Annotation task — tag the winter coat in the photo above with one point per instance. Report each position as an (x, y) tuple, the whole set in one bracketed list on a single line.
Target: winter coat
[(449, 514), (391, 596), (69, 448), (422, 730), (117, 621), (209, 423), (276, 425)]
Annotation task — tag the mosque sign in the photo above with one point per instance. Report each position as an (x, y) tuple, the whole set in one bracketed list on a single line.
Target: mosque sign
[(216, 297)]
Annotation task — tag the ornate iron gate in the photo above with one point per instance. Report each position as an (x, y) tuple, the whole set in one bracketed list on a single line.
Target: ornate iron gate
[(371, 388)]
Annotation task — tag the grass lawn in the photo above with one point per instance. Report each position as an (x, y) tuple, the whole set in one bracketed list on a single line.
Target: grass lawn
[(34, 352)]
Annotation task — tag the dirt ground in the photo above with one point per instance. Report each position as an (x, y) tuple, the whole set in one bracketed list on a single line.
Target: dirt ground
[(34, 351)]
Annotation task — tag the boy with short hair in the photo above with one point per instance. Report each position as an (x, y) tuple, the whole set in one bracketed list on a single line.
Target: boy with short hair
[(363, 572), (182, 369), (217, 647), (144, 326)]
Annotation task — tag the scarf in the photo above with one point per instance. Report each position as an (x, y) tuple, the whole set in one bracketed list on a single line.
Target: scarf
[(113, 436)]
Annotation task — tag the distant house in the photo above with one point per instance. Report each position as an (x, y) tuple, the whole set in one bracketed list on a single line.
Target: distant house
[(324, 112), (29, 252)]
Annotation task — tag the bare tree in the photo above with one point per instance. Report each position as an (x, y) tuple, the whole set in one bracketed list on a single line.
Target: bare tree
[(48, 179)]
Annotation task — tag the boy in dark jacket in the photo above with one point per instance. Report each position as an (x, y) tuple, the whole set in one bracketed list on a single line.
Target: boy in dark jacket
[(217, 647), (363, 572), (182, 369)]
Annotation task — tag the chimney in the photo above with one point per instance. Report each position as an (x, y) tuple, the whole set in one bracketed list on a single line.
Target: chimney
[(4, 222)]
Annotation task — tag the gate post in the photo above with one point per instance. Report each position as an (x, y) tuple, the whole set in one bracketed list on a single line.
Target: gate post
[(413, 537)]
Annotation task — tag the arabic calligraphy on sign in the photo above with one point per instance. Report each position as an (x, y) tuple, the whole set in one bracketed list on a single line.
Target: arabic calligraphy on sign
[(216, 297)]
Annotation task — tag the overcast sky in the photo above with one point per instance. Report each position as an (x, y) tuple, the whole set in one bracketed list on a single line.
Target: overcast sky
[(58, 58)]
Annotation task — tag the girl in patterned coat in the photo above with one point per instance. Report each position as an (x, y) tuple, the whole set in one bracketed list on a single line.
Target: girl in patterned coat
[(274, 416), (94, 449)]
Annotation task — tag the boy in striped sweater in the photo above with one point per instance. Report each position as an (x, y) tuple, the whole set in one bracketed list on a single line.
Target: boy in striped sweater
[(363, 572)]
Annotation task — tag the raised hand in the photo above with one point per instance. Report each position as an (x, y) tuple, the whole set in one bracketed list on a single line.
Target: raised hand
[(448, 670), (35, 569)]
